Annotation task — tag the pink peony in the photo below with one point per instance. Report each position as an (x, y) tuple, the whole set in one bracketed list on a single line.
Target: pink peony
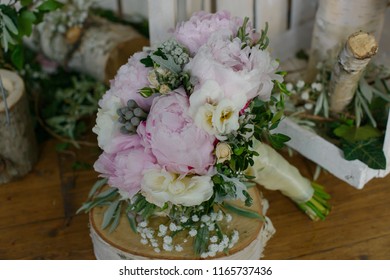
[(130, 78), (241, 73), (176, 142), (125, 165), (196, 31)]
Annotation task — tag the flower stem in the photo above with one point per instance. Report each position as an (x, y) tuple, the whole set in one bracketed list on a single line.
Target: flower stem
[(318, 207)]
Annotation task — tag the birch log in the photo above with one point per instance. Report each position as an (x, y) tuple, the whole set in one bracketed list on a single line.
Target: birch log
[(335, 21), (97, 49), (18, 148), (352, 61)]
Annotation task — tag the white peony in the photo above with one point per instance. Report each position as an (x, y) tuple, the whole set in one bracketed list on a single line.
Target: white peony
[(107, 126), (161, 186)]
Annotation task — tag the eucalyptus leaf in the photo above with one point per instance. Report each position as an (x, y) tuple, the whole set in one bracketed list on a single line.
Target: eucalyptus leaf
[(131, 219), (49, 5), (369, 152), (109, 214), (242, 211), (96, 187), (166, 63), (116, 220)]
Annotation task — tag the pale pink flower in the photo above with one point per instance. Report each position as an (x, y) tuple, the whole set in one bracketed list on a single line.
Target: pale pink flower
[(125, 164), (197, 30), (177, 143), (130, 78), (241, 73)]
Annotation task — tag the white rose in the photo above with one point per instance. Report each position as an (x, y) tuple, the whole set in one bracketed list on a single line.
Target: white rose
[(198, 189), (225, 118), (160, 186), (223, 152), (155, 186), (107, 125)]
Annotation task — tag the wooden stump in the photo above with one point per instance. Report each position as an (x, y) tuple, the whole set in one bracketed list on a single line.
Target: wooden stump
[(97, 49), (18, 147), (123, 243)]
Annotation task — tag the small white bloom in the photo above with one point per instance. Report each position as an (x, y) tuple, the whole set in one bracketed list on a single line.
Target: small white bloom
[(204, 255), (211, 227), (167, 247), (205, 218), (192, 232), (228, 218), (289, 86), (143, 224), (309, 106), (172, 227), (305, 95), (300, 84), (195, 218), (214, 239), (167, 239), (183, 219), (144, 241), (209, 93), (219, 216), (157, 250), (317, 86), (162, 228), (213, 216), (178, 248)]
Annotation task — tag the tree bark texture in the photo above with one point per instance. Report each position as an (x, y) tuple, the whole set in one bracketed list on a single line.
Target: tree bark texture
[(335, 21), (18, 147), (349, 68), (99, 48)]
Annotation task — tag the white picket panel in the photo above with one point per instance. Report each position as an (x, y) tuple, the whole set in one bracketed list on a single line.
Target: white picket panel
[(274, 12), (302, 11), (242, 8), (162, 17)]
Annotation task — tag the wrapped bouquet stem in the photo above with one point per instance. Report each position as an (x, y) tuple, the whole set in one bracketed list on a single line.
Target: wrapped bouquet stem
[(274, 172)]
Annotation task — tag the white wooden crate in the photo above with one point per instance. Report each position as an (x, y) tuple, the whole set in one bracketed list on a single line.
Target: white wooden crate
[(314, 147)]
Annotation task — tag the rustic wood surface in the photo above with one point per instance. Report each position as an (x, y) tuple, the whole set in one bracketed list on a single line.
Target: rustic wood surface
[(38, 221)]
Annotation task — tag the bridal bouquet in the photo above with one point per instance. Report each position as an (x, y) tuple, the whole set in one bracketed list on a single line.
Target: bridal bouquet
[(178, 126)]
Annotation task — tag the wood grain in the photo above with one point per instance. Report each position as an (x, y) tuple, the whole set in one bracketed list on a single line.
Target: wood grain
[(33, 224)]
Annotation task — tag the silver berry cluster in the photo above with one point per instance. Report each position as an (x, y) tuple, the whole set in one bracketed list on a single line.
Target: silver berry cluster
[(130, 116), (177, 51)]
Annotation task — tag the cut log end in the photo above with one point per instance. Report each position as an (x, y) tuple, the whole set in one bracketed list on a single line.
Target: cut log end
[(362, 45)]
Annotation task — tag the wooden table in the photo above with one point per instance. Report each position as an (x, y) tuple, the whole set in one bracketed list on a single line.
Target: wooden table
[(38, 221)]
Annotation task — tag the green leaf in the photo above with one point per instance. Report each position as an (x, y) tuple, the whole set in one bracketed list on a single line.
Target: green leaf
[(277, 140), (26, 2), (242, 211), (116, 220), (168, 63), (25, 22), (49, 5), (238, 151), (109, 214), (10, 24), (97, 186), (369, 152), (17, 57), (147, 61), (201, 240), (131, 220), (353, 133)]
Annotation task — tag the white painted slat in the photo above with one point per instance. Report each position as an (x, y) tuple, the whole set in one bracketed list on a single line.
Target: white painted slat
[(162, 17), (242, 8), (198, 5), (302, 11), (274, 12)]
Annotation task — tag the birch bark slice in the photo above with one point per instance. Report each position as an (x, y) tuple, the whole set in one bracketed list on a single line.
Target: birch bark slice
[(123, 243), (102, 48), (18, 147), (352, 61), (335, 21)]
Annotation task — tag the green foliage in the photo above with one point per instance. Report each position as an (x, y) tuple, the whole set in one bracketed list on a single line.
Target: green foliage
[(369, 151), (17, 23), (353, 133)]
